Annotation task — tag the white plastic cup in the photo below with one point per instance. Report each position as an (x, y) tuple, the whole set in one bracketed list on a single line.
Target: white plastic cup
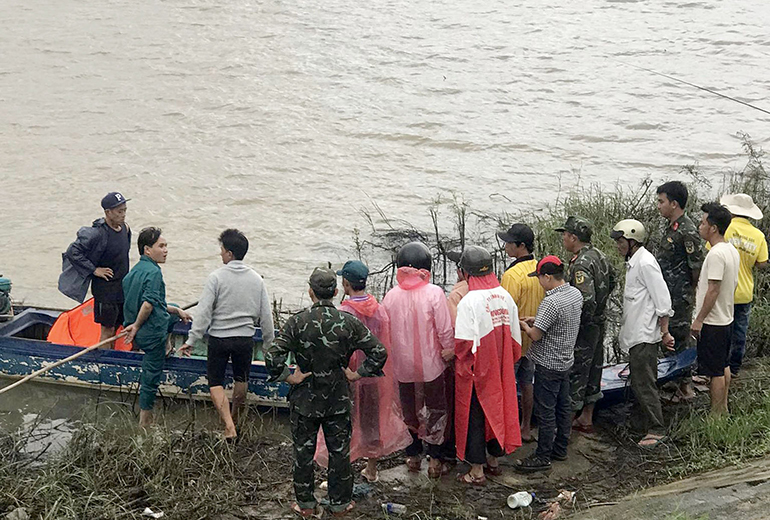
[(520, 499)]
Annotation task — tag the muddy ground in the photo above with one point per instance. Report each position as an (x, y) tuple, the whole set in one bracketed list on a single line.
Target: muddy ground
[(602, 467)]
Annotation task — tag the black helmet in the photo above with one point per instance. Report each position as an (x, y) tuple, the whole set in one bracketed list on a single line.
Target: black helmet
[(414, 254), (476, 261)]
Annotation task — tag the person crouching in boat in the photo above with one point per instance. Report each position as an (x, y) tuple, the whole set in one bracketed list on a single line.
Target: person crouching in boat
[(322, 340), (423, 343), (233, 304), (646, 312), (378, 426), (147, 319), (487, 346)]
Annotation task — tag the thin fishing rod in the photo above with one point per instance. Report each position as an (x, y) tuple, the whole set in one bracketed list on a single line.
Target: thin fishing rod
[(694, 85)]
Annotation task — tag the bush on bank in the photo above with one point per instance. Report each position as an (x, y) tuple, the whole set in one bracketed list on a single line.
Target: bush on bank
[(455, 224)]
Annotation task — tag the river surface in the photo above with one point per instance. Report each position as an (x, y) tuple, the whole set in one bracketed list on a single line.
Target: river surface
[(284, 119)]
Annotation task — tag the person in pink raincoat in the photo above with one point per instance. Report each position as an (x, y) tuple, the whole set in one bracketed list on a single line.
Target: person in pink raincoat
[(378, 426), (422, 341)]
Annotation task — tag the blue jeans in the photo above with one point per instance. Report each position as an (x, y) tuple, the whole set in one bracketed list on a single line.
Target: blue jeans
[(740, 328), (553, 410)]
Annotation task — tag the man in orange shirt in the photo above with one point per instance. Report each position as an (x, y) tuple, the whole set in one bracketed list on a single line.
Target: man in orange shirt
[(527, 293)]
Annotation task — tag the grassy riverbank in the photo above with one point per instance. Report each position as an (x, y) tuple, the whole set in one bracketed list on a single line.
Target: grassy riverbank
[(113, 470)]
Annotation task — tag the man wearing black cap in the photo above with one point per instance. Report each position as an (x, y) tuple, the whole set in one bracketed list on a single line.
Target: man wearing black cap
[(527, 293), (322, 339), (99, 257)]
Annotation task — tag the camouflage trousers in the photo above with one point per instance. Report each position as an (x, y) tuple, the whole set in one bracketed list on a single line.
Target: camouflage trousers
[(679, 327), (337, 431), (585, 378)]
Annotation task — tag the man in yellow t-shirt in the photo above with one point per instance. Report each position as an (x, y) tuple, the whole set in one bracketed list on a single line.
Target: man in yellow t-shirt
[(752, 248), (527, 293)]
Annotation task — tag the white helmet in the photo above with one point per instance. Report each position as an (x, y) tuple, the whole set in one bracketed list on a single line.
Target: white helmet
[(629, 229)]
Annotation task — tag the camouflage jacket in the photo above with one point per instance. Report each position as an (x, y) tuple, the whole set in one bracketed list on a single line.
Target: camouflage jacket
[(590, 271), (679, 254), (322, 339)]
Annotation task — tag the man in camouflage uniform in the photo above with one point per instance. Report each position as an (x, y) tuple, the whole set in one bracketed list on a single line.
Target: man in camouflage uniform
[(322, 339), (591, 273), (680, 256)]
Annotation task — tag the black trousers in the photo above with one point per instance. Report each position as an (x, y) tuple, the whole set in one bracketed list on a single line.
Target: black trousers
[(477, 446)]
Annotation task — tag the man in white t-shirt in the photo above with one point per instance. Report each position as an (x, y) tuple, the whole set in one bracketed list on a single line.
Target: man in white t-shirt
[(714, 298)]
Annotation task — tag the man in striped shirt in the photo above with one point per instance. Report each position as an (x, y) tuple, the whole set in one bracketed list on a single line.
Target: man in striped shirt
[(553, 332), (527, 292)]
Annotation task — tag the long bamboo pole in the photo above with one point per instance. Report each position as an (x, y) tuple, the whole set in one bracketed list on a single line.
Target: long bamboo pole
[(60, 362)]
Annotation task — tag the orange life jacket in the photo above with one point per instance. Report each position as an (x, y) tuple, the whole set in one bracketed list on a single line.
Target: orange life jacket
[(77, 327)]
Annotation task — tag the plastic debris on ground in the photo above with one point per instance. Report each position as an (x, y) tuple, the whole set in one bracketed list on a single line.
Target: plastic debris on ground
[(152, 514)]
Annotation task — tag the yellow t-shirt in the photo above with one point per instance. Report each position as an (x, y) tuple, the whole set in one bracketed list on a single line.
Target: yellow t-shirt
[(752, 248), (526, 292)]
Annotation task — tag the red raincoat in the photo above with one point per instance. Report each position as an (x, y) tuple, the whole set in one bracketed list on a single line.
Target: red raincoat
[(487, 345)]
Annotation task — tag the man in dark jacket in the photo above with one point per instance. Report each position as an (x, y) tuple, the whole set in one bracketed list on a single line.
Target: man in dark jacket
[(99, 257)]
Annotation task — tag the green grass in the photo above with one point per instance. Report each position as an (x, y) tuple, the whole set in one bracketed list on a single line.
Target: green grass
[(708, 442)]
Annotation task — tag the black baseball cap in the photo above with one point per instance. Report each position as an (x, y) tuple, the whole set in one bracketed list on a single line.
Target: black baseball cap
[(455, 256), (518, 233), (113, 199)]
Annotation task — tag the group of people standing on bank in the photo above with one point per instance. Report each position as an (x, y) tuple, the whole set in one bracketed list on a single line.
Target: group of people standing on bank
[(437, 374)]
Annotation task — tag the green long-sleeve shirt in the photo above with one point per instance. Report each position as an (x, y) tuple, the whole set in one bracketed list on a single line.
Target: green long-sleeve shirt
[(322, 339), (144, 283)]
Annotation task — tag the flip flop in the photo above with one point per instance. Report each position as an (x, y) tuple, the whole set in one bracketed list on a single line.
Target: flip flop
[(529, 439), (493, 471), (413, 464), (369, 479), (583, 428), (308, 512), (467, 478), (345, 511), (440, 471), (651, 441)]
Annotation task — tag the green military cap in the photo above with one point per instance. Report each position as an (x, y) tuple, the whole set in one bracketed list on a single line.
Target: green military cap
[(323, 279), (579, 227)]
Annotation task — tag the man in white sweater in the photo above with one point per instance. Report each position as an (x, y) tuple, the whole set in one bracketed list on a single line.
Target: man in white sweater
[(233, 304)]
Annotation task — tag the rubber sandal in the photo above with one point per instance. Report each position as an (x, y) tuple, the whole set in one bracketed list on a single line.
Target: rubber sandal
[(436, 472), (345, 511), (493, 471), (308, 512), (559, 456), (527, 440), (583, 428), (369, 479), (467, 478), (653, 441), (413, 464)]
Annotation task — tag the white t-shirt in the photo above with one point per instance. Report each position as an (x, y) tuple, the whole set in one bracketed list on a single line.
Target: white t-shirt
[(722, 263)]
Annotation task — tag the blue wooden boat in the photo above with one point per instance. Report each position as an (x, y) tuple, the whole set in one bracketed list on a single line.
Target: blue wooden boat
[(24, 350)]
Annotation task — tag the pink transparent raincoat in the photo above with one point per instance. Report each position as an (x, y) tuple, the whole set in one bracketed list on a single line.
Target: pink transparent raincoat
[(420, 328), (378, 427)]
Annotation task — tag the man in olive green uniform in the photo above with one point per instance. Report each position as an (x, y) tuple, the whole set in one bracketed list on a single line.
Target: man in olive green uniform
[(322, 339), (680, 256), (591, 273)]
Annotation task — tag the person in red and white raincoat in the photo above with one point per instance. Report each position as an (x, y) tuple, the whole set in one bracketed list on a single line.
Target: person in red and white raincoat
[(487, 345)]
